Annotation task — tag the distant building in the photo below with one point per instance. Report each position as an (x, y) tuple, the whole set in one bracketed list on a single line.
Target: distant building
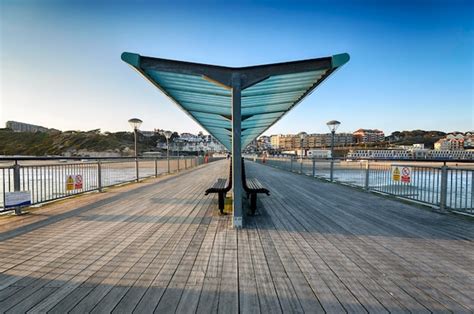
[(380, 154), (26, 127), (188, 142), (293, 141), (275, 141), (324, 140), (264, 143), (468, 140), (442, 144), (368, 136), (318, 153), (457, 141), (411, 147), (148, 133), (411, 154)]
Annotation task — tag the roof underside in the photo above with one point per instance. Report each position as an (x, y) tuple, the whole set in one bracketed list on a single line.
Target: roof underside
[(204, 91)]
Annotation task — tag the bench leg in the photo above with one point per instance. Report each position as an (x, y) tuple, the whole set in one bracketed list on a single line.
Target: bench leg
[(253, 202), (221, 198)]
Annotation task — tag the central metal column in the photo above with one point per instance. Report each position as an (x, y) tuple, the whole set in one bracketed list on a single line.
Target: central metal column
[(236, 151)]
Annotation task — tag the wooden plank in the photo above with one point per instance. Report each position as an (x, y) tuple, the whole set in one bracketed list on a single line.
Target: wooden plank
[(248, 297), (229, 288), (267, 295), (209, 300)]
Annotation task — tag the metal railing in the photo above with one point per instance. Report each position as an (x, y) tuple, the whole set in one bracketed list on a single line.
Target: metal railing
[(447, 187), (46, 179)]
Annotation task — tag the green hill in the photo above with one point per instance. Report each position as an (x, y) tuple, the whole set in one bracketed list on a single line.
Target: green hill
[(59, 143)]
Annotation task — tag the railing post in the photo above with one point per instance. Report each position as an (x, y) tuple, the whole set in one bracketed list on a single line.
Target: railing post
[(136, 169), (331, 173), (185, 163), (16, 183), (16, 177), (99, 175), (367, 176), (291, 164), (443, 188), (314, 167), (178, 162), (156, 167), (301, 166)]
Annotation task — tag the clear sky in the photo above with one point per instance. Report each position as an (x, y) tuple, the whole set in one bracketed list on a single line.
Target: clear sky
[(411, 62)]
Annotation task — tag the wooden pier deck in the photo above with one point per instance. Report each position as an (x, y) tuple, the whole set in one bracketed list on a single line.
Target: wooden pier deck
[(161, 247)]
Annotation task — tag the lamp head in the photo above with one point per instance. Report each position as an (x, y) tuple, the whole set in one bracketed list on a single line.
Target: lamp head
[(135, 123), (167, 134), (333, 125)]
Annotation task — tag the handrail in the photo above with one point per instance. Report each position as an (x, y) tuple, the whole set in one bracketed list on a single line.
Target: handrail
[(371, 159), (13, 158)]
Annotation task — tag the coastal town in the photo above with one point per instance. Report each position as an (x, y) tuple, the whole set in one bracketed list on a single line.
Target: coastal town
[(360, 144)]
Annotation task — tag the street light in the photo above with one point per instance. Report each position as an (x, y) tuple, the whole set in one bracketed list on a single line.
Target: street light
[(301, 144), (135, 124), (332, 125), (302, 151), (167, 135)]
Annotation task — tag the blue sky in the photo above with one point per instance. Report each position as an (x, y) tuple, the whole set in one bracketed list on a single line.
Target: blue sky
[(411, 62)]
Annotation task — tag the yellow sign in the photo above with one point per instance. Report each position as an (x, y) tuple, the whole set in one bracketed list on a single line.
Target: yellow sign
[(395, 174), (70, 183)]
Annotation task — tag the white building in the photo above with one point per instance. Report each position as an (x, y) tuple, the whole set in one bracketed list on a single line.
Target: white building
[(275, 141), (411, 154), (188, 142)]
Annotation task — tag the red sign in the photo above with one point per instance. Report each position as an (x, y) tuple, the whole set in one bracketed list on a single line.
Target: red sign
[(78, 182), (406, 174)]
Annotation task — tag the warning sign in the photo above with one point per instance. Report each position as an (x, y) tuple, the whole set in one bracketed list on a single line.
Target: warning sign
[(396, 173), (70, 183), (78, 182), (74, 182), (406, 174), (401, 173)]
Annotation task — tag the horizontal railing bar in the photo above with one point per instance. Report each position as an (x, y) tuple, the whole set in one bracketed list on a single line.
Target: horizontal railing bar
[(13, 158)]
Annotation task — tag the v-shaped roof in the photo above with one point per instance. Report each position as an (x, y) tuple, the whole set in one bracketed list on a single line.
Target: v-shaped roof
[(204, 91)]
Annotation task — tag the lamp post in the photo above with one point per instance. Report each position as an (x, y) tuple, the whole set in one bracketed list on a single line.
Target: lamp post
[(302, 151), (301, 144), (332, 125), (167, 135), (135, 123)]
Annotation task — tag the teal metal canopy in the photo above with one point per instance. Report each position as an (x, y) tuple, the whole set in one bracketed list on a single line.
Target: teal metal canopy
[(204, 92)]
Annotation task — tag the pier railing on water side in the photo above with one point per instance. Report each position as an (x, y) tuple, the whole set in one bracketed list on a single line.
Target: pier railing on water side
[(51, 178), (447, 185)]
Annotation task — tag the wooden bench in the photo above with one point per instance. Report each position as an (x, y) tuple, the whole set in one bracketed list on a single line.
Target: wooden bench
[(221, 187), (253, 187)]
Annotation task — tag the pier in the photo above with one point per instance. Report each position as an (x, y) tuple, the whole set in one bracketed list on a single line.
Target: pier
[(161, 245)]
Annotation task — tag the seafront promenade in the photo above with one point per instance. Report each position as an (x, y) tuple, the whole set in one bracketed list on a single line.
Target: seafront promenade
[(161, 245)]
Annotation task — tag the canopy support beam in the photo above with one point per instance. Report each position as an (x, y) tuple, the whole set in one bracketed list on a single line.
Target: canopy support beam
[(236, 151)]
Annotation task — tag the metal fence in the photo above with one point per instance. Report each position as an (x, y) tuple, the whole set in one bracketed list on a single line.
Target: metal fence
[(46, 179), (435, 183)]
